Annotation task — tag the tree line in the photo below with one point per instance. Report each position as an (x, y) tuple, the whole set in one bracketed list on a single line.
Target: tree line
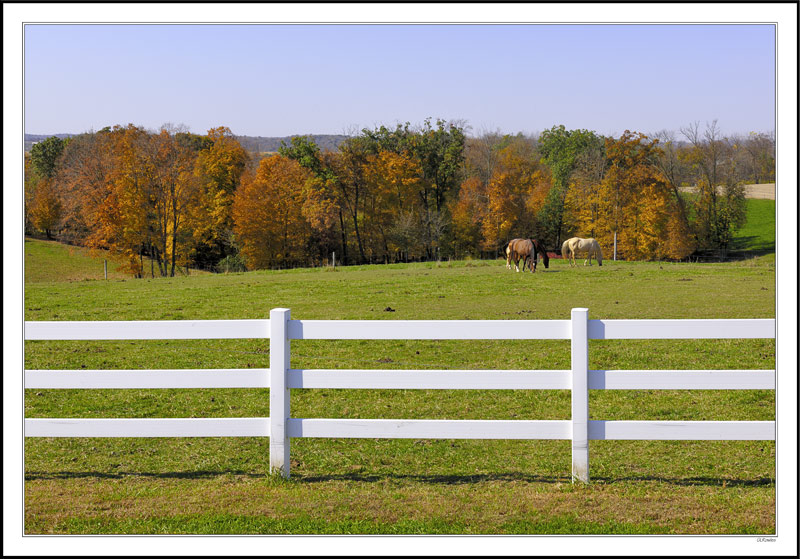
[(163, 200)]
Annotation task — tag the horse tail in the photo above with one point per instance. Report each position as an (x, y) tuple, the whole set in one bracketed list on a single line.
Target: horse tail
[(564, 250)]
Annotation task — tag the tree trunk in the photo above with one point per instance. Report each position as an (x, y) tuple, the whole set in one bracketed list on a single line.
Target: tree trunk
[(344, 238)]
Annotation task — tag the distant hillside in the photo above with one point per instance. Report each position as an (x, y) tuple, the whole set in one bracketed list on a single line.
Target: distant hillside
[(31, 139), (257, 144)]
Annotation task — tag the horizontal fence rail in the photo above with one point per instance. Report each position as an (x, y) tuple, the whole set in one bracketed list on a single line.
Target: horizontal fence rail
[(147, 330), (427, 379), (429, 330), (681, 329), (280, 427), (163, 427), (155, 378)]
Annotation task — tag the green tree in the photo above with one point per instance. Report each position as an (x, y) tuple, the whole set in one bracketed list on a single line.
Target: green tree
[(45, 154), (560, 149), (719, 207)]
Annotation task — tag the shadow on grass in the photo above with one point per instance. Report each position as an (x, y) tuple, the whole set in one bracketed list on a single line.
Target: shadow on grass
[(752, 244), (202, 474), (424, 479)]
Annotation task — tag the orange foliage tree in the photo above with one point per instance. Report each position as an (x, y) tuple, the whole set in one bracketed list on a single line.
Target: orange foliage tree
[(267, 214), (502, 202), (44, 210)]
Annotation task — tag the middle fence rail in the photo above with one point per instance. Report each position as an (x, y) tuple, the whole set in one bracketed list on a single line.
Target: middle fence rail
[(280, 378)]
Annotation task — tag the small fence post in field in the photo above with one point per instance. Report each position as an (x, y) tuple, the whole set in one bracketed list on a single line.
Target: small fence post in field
[(279, 409), (580, 395), (105, 269)]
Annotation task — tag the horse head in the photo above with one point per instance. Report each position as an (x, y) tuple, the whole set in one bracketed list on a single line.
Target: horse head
[(598, 253), (541, 250)]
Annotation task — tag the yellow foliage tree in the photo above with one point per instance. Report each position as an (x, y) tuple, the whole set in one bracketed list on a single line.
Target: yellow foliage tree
[(516, 192), (632, 200), (219, 169), (392, 182)]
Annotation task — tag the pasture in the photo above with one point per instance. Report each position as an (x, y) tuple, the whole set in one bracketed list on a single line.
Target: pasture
[(378, 486)]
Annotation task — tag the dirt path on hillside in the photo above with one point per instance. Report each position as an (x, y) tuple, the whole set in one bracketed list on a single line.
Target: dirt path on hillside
[(766, 191), (762, 191)]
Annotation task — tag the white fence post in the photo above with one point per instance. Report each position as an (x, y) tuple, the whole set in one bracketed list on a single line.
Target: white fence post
[(580, 395), (279, 409)]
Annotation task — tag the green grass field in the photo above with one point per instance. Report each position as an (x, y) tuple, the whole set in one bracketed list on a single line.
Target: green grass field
[(366, 486), (758, 234)]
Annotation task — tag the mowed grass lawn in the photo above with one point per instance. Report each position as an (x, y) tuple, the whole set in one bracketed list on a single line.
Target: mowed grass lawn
[(367, 486)]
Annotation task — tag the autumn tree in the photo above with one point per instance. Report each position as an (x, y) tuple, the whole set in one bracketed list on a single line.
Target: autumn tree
[(131, 192), (516, 193), (469, 213), (583, 201), (218, 168), (438, 153), (267, 214), (632, 203), (174, 192), (103, 181), (322, 206), (123, 221), (82, 180), (392, 182), (45, 207), (470, 209), (29, 188)]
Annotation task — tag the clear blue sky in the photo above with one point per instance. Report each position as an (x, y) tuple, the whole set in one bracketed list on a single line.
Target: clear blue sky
[(278, 80)]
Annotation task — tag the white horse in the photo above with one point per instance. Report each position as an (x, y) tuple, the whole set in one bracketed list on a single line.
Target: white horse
[(577, 245)]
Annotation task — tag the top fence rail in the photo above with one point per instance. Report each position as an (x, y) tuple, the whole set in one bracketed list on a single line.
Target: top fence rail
[(401, 329)]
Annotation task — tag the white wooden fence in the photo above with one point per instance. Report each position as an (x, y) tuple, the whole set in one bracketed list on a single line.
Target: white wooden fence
[(281, 427)]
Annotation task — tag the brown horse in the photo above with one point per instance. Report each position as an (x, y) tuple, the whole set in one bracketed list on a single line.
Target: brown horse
[(528, 250), (510, 253)]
